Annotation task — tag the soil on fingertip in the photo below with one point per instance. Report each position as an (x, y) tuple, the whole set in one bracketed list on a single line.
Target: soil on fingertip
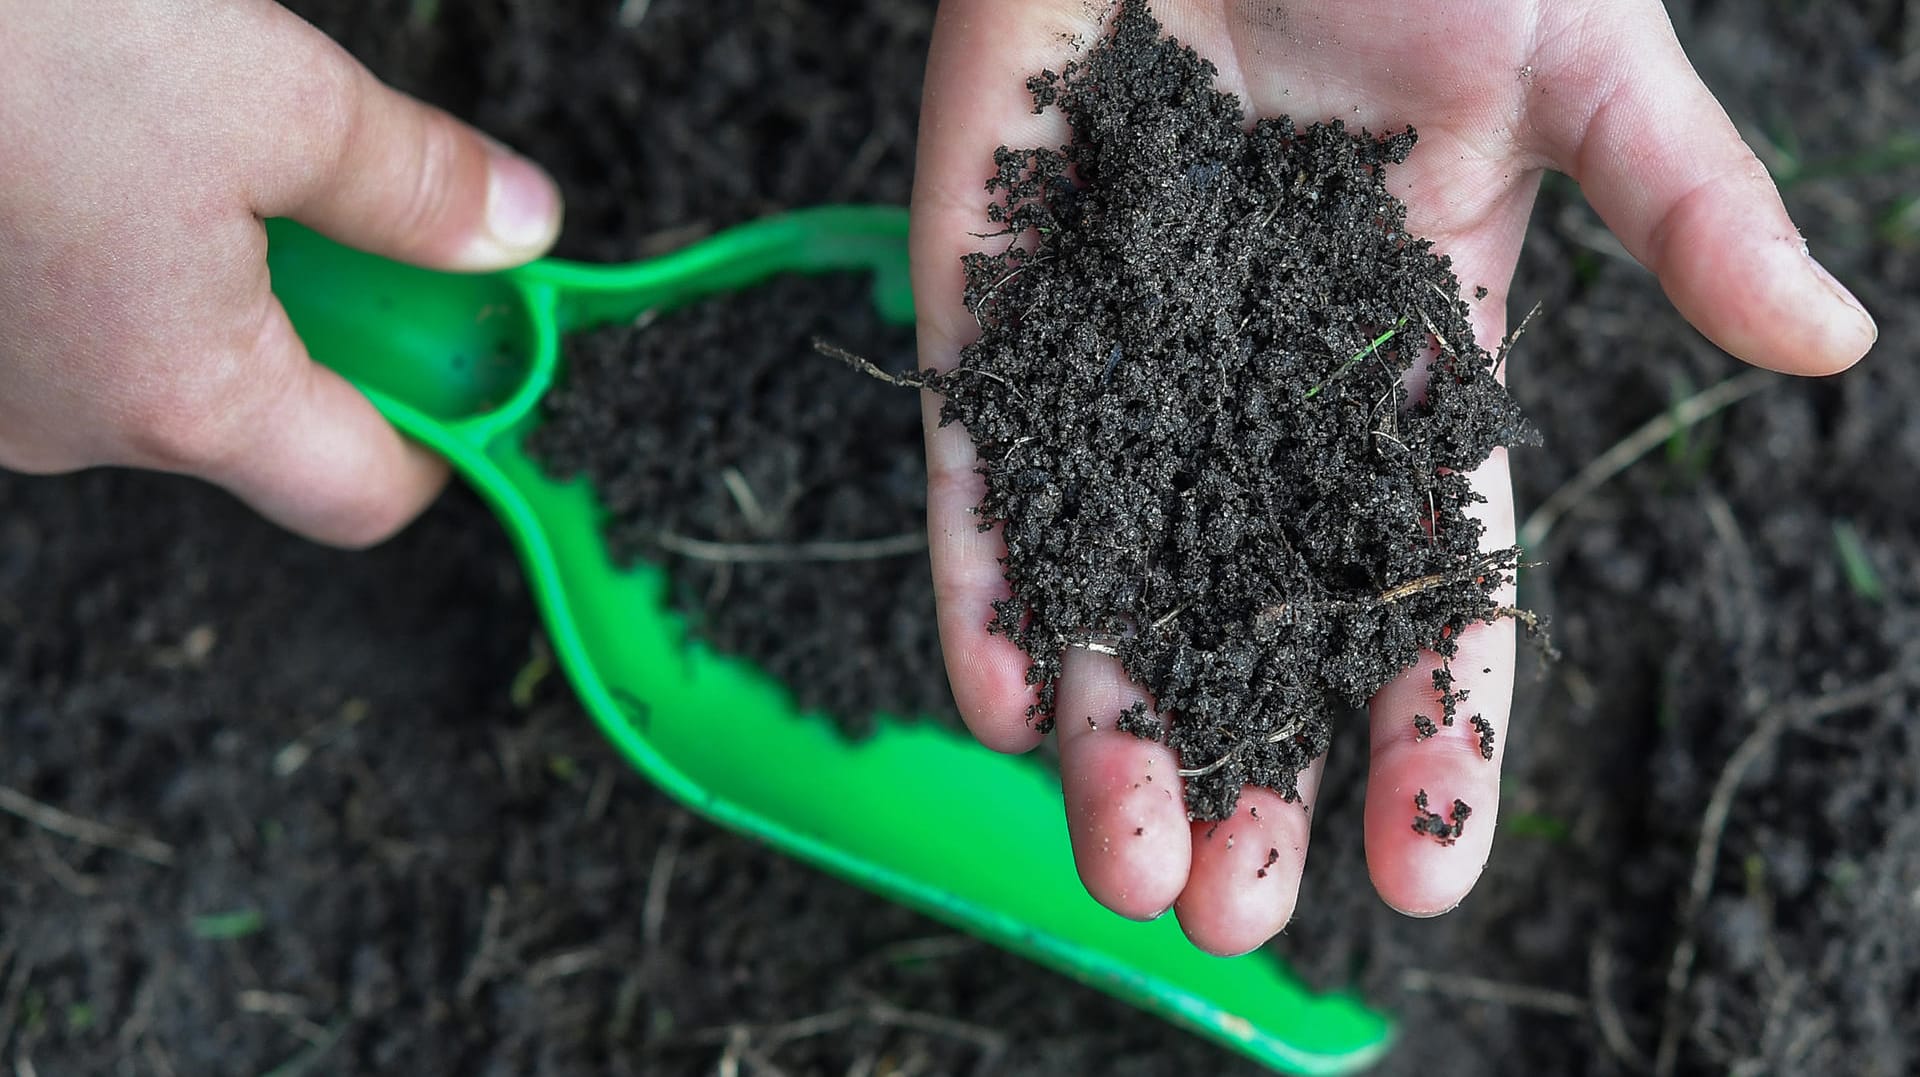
[(1190, 398), (785, 496)]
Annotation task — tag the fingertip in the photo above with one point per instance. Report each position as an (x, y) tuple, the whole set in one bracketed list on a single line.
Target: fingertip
[(1125, 816), (1856, 331), (990, 690), (523, 213), (1245, 880), (1744, 277), (1130, 837), (1424, 861), (1415, 872)]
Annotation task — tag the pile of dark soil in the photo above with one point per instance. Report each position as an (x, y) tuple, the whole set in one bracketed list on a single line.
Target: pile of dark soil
[(448, 881), (1189, 396), (785, 496)]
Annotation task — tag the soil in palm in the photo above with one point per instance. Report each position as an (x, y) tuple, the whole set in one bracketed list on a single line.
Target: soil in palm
[(1194, 398)]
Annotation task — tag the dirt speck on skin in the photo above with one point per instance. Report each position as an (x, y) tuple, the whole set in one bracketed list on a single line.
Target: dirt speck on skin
[(785, 495), (1443, 829), (1188, 396)]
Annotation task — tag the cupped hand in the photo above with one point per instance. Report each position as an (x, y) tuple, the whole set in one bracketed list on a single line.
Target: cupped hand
[(140, 149), (1499, 91)]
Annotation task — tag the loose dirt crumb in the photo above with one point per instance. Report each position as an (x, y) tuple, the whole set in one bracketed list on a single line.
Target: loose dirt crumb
[(1445, 831), (1485, 729)]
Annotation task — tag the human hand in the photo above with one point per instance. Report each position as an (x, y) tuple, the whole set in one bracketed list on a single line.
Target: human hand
[(1499, 92), (140, 147)]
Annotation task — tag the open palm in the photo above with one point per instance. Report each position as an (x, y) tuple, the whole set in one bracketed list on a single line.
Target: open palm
[(1499, 91)]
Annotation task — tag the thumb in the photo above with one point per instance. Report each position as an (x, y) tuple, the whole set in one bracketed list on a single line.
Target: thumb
[(1630, 120), (288, 436), (380, 171)]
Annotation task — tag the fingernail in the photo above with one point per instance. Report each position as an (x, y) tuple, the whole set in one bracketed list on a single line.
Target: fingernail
[(1840, 291), (523, 206)]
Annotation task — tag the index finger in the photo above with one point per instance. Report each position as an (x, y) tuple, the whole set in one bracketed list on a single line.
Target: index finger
[(975, 101)]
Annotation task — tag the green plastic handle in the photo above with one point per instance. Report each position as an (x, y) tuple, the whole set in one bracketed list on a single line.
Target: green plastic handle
[(918, 813)]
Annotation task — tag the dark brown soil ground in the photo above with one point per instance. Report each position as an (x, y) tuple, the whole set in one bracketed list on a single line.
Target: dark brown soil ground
[(785, 494), (387, 860), (1189, 398)]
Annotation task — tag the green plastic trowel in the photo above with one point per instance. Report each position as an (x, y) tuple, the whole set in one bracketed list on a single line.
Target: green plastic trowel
[(916, 812)]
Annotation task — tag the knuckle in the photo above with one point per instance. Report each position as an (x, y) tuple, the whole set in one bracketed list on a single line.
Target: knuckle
[(437, 155), (334, 98), (195, 420)]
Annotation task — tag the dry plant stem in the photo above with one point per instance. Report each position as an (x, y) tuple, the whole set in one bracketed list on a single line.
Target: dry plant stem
[(1288, 730), (1651, 434), (1513, 996), (1713, 826), (85, 831), (1385, 598), (1506, 346), (867, 366), (653, 914), (486, 952), (754, 553), (747, 501), (1606, 1014), (875, 1011)]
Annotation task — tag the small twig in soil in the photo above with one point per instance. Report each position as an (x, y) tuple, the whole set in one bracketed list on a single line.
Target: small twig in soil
[(1161, 622), (740, 1049), (1713, 827), (1290, 729), (1480, 989), (85, 831), (1434, 329), (745, 499), (867, 366), (653, 912), (766, 553), (1606, 1015), (1506, 346), (289, 759), (567, 963), (1357, 356), (290, 1010), (1094, 645), (1437, 579), (1651, 435), (70, 880), (875, 1011), (1525, 617), (486, 952)]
